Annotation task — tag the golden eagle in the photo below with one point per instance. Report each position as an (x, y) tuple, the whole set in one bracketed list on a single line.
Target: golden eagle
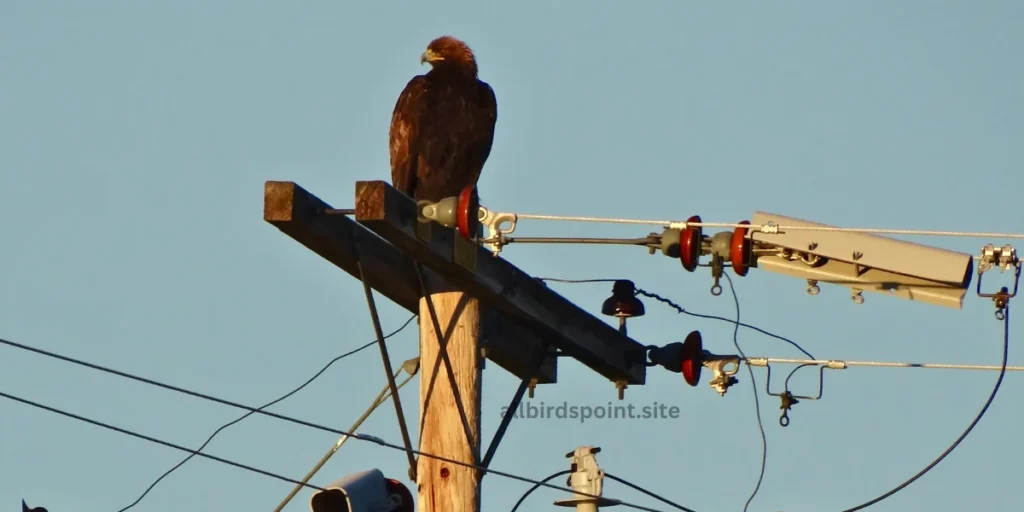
[(443, 125)]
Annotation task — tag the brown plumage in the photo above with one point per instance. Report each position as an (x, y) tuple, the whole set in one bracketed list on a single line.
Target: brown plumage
[(443, 125), (25, 508)]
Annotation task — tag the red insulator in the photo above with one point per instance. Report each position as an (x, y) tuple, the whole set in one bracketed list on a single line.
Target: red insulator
[(689, 244), (691, 356), (467, 214), (739, 250)]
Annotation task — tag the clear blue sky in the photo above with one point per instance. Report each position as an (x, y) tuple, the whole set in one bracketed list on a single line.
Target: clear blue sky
[(135, 139)]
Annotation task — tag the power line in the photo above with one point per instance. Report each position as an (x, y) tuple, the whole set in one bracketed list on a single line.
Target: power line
[(838, 364), (981, 413), (537, 486), (353, 435), (770, 228), (268, 404), (757, 400), (451, 461), (608, 475), (683, 311), (152, 439), (645, 491), (412, 370)]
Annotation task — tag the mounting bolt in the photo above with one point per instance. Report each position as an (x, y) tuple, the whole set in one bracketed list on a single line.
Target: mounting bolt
[(812, 287), (621, 386)]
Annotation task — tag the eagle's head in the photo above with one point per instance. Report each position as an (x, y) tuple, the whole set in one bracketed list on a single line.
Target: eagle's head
[(448, 53)]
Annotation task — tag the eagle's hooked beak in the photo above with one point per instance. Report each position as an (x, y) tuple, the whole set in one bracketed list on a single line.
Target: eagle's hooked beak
[(430, 56)]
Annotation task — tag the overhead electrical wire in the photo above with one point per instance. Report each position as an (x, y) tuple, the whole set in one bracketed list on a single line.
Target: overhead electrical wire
[(538, 486), (152, 439), (411, 367), (645, 491), (352, 435), (1003, 368), (757, 400), (841, 364), (268, 404), (610, 477), (764, 228), (239, 465), (966, 432), (755, 328)]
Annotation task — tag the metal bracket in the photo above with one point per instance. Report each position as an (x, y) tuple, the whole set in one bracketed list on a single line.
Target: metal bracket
[(723, 369), (524, 386), (786, 398), (493, 222), (717, 268), (1005, 258)]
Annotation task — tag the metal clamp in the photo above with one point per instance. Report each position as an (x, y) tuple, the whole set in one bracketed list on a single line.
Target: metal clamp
[(493, 222), (1005, 258), (723, 369)]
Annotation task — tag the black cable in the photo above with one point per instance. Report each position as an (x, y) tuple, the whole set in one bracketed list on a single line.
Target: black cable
[(682, 310), (352, 435), (153, 440), (246, 415), (991, 397), (537, 486), (609, 475), (757, 400), (645, 491)]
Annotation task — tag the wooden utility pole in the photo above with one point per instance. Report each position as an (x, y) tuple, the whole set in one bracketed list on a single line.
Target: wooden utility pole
[(449, 401), (427, 268)]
